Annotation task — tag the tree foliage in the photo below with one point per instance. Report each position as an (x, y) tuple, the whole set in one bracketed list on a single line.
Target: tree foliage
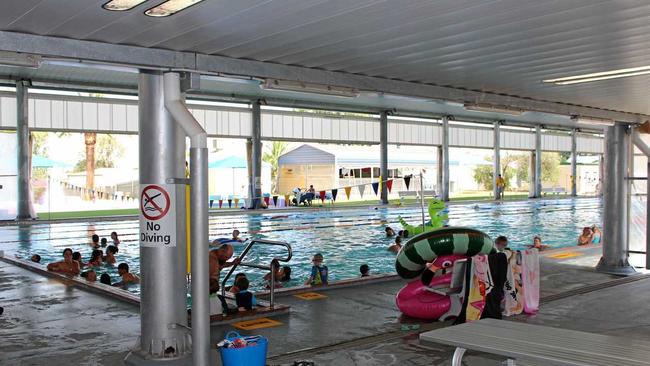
[(277, 149), (518, 166), (107, 150)]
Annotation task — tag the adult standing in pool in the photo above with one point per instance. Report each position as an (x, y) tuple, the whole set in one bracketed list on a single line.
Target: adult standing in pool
[(67, 266), (501, 185), (219, 259)]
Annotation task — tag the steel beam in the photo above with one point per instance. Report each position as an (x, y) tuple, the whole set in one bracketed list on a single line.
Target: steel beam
[(574, 162), (153, 58), (24, 202), (383, 155), (163, 288), (497, 161), (256, 157), (538, 162), (615, 202), (444, 190)]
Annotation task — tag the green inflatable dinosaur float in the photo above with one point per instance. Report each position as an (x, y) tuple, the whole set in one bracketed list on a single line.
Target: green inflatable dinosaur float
[(435, 219)]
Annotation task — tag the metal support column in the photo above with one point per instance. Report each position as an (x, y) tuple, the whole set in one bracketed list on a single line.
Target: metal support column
[(439, 175), (615, 202), (249, 170), (444, 190), (25, 208), (383, 156), (256, 157), (497, 159), (574, 160), (647, 218), (163, 316), (538, 162), (531, 175)]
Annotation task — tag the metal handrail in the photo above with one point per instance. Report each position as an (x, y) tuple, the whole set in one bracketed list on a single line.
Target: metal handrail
[(259, 266)]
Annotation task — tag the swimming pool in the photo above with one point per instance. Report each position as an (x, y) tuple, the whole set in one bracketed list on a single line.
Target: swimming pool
[(347, 238)]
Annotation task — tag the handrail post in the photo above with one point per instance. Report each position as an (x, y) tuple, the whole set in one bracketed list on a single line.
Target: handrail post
[(272, 293)]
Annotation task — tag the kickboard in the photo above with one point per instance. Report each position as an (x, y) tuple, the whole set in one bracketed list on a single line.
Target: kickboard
[(257, 324), (310, 296)]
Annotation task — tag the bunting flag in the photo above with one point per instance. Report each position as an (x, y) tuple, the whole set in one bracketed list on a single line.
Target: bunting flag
[(334, 192), (389, 185), (220, 203), (347, 191), (375, 187), (286, 200), (236, 202), (361, 189), (322, 195), (266, 201), (407, 181), (211, 202), (229, 203), (275, 201)]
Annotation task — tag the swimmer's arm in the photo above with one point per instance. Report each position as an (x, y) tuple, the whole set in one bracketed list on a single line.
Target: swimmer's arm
[(309, 280), (231, 263)]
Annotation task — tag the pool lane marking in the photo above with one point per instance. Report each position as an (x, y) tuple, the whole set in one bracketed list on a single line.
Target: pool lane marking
[(565, 255), (310, 296), (257, 324)]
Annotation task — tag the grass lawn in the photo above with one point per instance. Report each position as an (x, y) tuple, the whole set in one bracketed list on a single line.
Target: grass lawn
[(85, 214)]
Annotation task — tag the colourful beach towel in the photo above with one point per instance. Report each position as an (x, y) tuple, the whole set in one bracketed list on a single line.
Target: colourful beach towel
[(480, 285), (513, 303), (530, 280)]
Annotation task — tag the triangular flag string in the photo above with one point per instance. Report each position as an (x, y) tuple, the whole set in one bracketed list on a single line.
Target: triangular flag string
[(334, 193), (389, 185), (375, 187), (347, 191), (275, 201), (362, 188), (322, 195), (407, 181)]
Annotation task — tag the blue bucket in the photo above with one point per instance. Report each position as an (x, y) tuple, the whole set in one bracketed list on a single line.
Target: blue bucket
[(254, 355)]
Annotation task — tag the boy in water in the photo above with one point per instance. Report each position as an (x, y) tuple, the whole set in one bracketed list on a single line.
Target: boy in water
[(364, 269), (501, 243), (389, 232), (67, 266), (90, 275), (104, 242), (110, 254), (127, 277), (95, 241), (319, 272), (245, 300), (235, 236), (36, 258), (395, 247)]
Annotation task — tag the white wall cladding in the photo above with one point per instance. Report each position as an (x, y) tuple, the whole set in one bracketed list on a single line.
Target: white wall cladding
[(590, 144), (517, 140), (466, 136), (304, 126), (556, 141), (65, 113)]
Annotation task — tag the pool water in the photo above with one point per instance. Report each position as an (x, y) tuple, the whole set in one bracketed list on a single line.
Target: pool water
[(347, 238)]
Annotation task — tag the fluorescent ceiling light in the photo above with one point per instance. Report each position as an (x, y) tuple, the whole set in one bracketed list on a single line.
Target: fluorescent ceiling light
[(122, 5), (593, 120), (479, 107), (20, 59), (298, 86), (597, 76), (170, 7)]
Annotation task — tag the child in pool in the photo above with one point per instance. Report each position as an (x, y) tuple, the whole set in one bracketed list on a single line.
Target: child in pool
[(537, 244), (364, 270), (586, 237), (115, 239), (596, 234), (110, 254), (245, 300), (319, 272), (395, 247)]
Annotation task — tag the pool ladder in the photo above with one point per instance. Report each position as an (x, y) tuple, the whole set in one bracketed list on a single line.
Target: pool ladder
[(259, 266)]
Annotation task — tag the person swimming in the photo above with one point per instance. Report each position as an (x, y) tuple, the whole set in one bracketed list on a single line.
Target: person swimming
[(396, 246), (364, 269), (116, 240), (95, 241), (90, 275), (127, 277), (389, 231), (110, 254), (95, 258), (586, 237), (67, 266), (596, 234), (537, 244), (36, 258), (105, 279), (103, 242)]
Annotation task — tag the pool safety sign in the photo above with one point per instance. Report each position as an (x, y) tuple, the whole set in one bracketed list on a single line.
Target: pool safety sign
[(157, 216)]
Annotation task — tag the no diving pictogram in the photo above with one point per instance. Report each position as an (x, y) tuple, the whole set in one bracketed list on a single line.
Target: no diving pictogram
[(154, 202)]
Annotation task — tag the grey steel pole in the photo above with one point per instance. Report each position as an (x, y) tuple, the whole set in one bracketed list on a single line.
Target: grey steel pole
[(647, 219), (538, 161), (445, 159), (439, 176), (199, 256), (249, 168), (531, 172), (163, 286), (497, 160), (422, 196), (24, 168), (574, 162), (256, 153), (383, 156), (615, 213)]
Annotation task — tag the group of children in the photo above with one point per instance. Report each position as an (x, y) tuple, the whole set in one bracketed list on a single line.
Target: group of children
[(397, 245), (72, 264)]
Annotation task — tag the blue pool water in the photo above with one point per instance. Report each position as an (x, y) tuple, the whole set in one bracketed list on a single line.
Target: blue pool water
[(347, 238)]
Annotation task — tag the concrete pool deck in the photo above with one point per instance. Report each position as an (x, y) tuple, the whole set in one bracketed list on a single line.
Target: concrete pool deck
[(47, 322)]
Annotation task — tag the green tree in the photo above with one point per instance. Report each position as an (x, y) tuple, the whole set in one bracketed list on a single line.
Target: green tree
[(483, 175), (38, 145), (102, 150), (277, 149)]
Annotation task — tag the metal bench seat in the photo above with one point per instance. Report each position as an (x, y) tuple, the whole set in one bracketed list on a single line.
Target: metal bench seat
[(539, 344)]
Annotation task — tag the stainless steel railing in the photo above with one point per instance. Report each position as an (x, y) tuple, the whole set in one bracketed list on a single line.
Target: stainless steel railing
[(259, 266)]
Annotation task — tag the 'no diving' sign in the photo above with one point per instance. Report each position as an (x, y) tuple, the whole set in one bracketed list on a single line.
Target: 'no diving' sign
[(158, 217)]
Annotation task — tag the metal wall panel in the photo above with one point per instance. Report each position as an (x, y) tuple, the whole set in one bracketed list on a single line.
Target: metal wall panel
[(466, 136), (517, 140), (590, 144), (556, 141), (8, 112)]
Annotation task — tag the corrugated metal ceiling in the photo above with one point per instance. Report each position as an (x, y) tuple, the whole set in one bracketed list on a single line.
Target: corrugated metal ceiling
[(505, 46)]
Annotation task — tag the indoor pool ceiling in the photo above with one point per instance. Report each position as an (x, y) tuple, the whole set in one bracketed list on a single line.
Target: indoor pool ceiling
[(501, 46)]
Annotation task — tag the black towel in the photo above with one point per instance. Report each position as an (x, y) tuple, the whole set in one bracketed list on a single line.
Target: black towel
[(499, 270)]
